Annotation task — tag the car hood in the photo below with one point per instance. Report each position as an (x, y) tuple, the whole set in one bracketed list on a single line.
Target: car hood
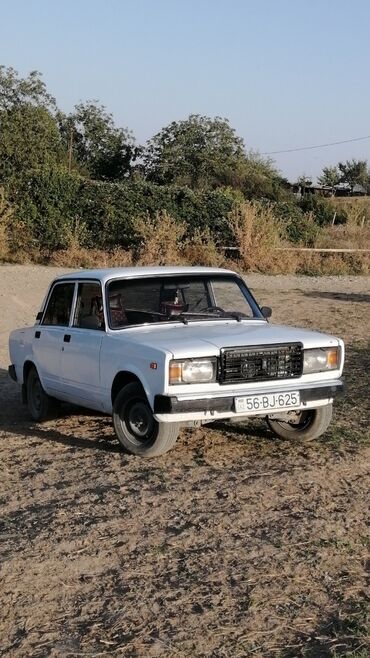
[(207, 338)]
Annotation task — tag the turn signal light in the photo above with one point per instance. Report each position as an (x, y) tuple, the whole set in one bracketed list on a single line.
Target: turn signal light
[(332, 358), (175, 372)]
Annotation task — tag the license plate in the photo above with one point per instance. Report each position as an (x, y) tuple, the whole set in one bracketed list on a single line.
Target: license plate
[(268, 402)]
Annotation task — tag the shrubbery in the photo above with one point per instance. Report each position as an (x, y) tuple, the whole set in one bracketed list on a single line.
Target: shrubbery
[(297, 226), (77, 187), (53, 202)]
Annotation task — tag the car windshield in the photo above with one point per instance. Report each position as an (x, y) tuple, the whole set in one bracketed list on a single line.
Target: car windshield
[(179, 299)]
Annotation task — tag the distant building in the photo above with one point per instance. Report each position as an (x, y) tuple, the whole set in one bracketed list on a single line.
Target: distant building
[(341, 189), (309, 188), (359, 190), (345, 189)]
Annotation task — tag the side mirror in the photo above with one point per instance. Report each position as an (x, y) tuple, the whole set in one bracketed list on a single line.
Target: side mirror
[(39, 316), (266, 312)]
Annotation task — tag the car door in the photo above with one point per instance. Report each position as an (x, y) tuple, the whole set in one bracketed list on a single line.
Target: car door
[(82, 340), (49, 335)]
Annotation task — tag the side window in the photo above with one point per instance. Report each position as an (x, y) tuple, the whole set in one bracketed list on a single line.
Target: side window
[(59, 306), (89, 308)]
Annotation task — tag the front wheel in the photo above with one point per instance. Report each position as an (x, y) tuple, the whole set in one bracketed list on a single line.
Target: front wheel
[(136, 428), (306, 424)]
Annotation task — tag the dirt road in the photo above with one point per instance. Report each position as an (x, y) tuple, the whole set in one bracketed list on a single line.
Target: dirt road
[(234, 544)]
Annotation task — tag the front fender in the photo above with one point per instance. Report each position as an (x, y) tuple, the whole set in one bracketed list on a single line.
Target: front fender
[(151, 381)]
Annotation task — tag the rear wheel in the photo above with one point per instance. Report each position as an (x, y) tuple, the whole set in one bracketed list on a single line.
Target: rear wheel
[(306, 424), (40, 405), (136, 428)]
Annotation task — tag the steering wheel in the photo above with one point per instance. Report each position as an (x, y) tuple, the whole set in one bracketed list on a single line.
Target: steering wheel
[(211, 308)]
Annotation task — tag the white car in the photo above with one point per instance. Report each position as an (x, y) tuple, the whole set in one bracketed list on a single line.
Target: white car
[(162, 347)]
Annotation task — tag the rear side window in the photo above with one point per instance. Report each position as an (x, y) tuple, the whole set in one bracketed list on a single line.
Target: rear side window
[(59, 306), (89, 307)]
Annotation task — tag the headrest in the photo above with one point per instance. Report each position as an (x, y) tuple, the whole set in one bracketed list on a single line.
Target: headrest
[(115, 301)]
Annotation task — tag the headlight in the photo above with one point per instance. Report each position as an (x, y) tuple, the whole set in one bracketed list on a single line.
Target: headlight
[(192, 371), (321, 359)]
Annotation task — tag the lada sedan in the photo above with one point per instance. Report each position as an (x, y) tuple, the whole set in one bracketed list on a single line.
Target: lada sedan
[(162, 347)]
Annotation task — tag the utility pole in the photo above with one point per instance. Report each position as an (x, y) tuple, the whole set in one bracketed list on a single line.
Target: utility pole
[(70, 151)]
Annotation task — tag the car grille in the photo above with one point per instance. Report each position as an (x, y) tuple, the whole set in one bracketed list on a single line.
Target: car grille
[(258, 364)]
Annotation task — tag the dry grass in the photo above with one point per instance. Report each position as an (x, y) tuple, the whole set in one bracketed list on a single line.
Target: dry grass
[(201, 249), (345, 236), (16, 242), (316, 264), (160, 240), (359, 206), (91, 258), (355, 234), (76, 255), (258, 233)]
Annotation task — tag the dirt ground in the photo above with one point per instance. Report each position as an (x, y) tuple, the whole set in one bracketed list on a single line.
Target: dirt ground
[(234, 544)]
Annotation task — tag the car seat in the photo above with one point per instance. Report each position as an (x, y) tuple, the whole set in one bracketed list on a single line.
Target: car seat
[(117, 312)]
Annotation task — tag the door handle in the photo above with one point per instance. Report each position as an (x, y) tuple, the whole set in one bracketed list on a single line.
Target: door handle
[(67, 338), (37, 334)]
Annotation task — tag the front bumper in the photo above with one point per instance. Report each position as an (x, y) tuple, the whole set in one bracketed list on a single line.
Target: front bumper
[(168, 408)]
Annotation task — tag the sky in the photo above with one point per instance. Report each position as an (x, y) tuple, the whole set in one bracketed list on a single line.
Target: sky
[(285, 73)]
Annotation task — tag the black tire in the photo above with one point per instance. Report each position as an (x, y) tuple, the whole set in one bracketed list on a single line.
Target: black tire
[(136, 428), (40, 405), (305, 425)]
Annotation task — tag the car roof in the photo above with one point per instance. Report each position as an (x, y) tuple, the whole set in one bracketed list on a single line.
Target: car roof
[(108, 274)]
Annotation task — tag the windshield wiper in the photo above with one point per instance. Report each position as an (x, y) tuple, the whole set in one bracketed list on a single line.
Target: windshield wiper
[(183, 317), (235, 315)]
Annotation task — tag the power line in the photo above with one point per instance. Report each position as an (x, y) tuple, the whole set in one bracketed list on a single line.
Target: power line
[(318, 146)]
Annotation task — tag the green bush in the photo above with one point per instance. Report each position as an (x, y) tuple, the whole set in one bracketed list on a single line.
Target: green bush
[(321, 208), (48, 205), (299, 227), (51, 202)]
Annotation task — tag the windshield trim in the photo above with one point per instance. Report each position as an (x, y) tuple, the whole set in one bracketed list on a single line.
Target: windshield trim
[(257, 314)]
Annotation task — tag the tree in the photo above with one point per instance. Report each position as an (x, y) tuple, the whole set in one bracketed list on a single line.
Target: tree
[(330, 176), (354, 172), (29, 136), (304, 181), (29, 139), (261, 180), (99, 148), (17, 92), (199, 152)]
